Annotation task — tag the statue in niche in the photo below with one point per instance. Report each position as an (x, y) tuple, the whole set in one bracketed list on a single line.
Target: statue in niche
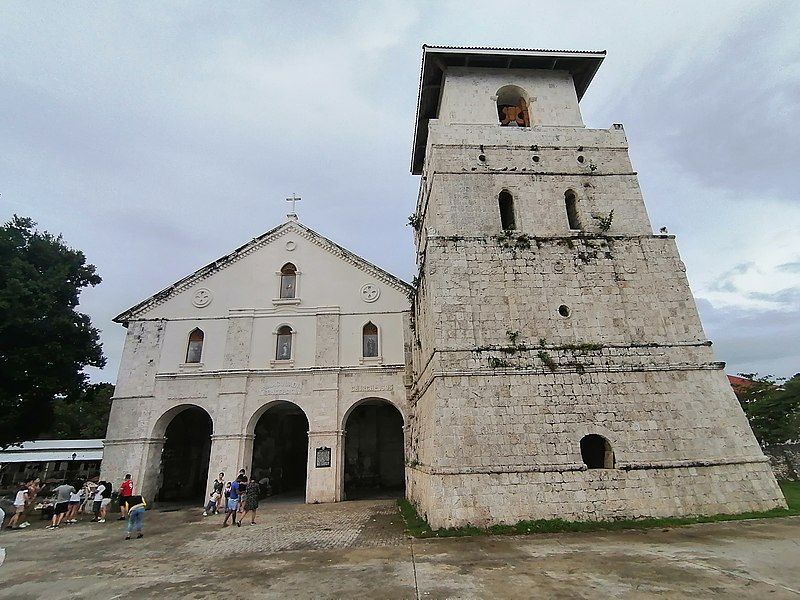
[(515, 115)]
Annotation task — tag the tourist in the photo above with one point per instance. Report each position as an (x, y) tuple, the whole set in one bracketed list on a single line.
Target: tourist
[(134, 508), (251, 502), (231, 502), (211, 505), (63, 493), (241, 479), (20, 501), (219, 488), (74, 505), (98, 507), (125, 490)]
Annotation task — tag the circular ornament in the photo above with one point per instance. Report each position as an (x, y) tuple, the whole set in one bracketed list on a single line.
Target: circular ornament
[(370, 292), (290, 245), (202, 298), (558, 267)]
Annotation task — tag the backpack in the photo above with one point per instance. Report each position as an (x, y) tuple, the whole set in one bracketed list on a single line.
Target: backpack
[(106, 492)]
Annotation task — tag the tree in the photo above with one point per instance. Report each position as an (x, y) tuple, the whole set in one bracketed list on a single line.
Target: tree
[(84, 418), (44, 342), (772, 408)]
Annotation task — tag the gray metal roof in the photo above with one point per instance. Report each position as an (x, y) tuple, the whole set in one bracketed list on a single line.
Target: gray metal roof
[(581, 64), (50, 450)]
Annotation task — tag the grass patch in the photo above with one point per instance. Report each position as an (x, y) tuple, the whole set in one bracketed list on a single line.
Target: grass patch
[(418, 527)]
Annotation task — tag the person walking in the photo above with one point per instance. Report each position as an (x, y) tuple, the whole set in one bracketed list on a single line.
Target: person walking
[(125, 490), (231, 501), (98, 506), (134, 508), (241, 479), (251, 502), (74, 505), (20, 501), (63, 493)]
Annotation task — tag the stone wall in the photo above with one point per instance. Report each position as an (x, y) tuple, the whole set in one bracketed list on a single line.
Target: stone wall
[(785, 460)]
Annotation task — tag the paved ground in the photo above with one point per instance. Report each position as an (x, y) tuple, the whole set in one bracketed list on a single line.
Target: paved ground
[(358, 550)]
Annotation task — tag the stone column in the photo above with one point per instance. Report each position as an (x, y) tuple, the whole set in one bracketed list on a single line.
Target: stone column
[(323, 483), (141, 457), (229, 453)]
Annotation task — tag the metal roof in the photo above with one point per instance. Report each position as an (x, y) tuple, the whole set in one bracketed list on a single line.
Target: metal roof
[(581, 64), (50, 450)]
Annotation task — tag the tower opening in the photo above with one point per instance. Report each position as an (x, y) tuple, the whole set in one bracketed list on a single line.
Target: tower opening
[(571, 202), (512, 107), (280, 449), (507, 220), (596, 452), (374, 463), (184, 459)]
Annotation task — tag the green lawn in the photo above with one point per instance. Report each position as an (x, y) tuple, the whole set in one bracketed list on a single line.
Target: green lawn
[(418, 527)]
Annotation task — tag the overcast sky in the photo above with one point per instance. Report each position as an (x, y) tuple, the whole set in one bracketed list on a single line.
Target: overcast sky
[(157, 137)]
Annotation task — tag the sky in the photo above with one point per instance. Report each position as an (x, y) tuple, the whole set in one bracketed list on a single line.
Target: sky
[(157, 137)]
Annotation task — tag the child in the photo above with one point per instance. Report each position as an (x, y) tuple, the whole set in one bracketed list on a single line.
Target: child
[(135, 507), (20, 501), (211, 506)]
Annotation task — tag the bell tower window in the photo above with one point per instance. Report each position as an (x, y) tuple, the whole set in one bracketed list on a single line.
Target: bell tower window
[(512, 107), (571, 202), (506, 201)]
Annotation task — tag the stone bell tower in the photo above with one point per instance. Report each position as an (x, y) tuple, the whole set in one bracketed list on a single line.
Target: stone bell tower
[(560, 367)]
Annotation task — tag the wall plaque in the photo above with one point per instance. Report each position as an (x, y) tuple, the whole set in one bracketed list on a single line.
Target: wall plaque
[(323, 457), (282, 388)]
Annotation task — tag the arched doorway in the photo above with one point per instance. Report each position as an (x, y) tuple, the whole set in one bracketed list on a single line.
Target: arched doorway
[(374, 463), (280, 449), (184, 459)]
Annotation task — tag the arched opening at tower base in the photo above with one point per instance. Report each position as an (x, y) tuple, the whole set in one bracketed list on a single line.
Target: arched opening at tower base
[(184, 459), (280, 450), (374, 464)]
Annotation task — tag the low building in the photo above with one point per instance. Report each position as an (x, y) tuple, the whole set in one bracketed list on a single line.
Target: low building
[(51, 461)]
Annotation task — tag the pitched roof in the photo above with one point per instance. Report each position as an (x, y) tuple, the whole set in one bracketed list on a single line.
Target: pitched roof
[(581, 64), (252, 246)]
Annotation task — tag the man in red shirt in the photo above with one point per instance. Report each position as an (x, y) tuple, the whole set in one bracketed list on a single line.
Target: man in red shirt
[(125, 492)]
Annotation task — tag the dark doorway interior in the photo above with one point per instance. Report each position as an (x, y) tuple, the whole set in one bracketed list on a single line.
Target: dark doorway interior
[(280, 450), (184, 460), (374, 464)]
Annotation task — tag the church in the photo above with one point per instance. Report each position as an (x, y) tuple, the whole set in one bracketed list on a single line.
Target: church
[(549, 361)]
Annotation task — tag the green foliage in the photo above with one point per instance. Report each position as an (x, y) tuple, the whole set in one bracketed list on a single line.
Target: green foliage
[(85, 417), (605, 222), (512, 336), (496, 363), (414, 221), (547, 360), (418, 527), (44, 342), (513, 241), (772, 409)]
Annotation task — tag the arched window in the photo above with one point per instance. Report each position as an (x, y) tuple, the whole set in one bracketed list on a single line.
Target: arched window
[(512, 107), (369, 337), (571, 202), (283, 349), (507, 220), (194, 349), (288, 281), (596, 452)]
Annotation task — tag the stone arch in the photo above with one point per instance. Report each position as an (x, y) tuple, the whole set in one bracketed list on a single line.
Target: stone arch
[(186, 431), (512, 106), (508, 220), (280, 447), (597, 452), (373, 449)]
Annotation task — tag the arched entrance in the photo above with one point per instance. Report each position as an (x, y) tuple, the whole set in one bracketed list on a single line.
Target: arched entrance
[(184, 459), (280, 449), (374, 463)]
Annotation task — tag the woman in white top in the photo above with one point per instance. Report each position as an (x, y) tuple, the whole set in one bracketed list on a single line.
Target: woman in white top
[(74, 505), (20, 501)]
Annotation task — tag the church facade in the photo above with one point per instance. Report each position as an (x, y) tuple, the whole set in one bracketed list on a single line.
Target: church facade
[(548, 363), (286, 358)]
